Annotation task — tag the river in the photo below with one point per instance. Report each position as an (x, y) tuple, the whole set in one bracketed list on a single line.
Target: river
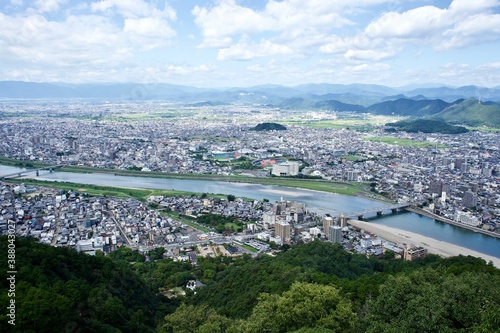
[(319, 202)]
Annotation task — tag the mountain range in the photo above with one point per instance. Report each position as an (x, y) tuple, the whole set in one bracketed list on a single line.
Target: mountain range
[(468, 105)]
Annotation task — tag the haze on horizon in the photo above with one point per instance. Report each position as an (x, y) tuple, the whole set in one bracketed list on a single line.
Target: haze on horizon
[(251, 42)]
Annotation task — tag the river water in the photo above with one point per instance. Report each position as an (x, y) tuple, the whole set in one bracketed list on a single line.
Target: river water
[(319, 202)]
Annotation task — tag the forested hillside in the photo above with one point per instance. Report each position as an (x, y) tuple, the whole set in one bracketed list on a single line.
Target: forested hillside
[(60, 290), (314, 287)]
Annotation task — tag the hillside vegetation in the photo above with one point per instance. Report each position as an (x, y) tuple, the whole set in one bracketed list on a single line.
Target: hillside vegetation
[(314, 287), (473, 113), (428, 126)]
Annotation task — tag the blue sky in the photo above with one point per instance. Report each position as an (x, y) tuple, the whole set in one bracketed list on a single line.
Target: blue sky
[(251, 42)]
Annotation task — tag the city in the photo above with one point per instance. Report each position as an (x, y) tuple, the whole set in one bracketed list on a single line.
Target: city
[(453, 178)]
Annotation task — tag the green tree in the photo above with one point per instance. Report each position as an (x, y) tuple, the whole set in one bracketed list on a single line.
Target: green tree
[(304, 305), (195, 319), (430, 300)]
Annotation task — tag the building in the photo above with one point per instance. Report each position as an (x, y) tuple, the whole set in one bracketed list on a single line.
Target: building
[(327, 223), (282, 230), (469, 199), (268, 220), (412, 252), (335, 234), (465, 218), (286, 169), (353, 176), (343, 221)]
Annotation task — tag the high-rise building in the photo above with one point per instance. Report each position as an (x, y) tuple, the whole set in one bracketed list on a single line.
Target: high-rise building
[(327, 223), (469, 199), (343, 221), (282, 229), (335, 234), (268, 220), (436, 187)]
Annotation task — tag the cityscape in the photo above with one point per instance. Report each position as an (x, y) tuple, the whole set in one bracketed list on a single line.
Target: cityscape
[(236, 166), (449, 177)]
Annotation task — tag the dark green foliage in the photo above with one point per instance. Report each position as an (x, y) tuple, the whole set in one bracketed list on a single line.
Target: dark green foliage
[(472, 112), (221, 223), (59, 290), (432, 301), (236, 289), (314, 287), (409, 107), (269, 127), (428, 126)]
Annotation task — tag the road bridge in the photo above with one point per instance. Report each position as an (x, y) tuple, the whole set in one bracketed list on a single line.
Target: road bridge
[(379, 210), (21, 173)]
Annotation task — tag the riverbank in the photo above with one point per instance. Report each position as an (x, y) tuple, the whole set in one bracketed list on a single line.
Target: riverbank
[(444, 219), (320, 185), (432, 245)]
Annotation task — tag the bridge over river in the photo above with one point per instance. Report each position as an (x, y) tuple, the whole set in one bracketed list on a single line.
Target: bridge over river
[(379, 210), (23, 172)]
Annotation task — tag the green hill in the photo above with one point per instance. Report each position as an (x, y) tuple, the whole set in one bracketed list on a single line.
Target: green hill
[(269, 127), (409, 107), (314, 287), (60, 290), (428, 126), (472, 112)]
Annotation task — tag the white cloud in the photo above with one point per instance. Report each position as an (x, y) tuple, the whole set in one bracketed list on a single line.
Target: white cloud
[(293, 24), (82, 43), (245, 51), (150, 32), (228, 19), (132, 8), (416, 23), (463, 24), (46, 6), (367, 68), (188, 70), (369, 55)]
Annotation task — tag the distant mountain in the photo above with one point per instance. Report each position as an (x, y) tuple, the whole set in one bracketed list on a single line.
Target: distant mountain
[(453, 104), (357, 94), (331, 105), (428, 126), (409, 107), (453, 93), (356, 88), (472, 112), (334, 105), (16, 89)]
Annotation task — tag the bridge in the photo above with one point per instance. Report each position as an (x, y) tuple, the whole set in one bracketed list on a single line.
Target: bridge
[(21, 173), (379, 210)]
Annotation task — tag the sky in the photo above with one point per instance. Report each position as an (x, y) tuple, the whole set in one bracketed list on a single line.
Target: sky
[(241, 43)]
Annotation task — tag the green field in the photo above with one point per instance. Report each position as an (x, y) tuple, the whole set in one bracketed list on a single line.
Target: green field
[(355, 122), (404, 142), (249, 248), (120, 192), (184, 220)]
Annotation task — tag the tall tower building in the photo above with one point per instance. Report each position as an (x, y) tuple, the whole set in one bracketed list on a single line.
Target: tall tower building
[(343, 221), (282, 229), (335, 234), (268, 220), (327, 223), (469, 199)]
